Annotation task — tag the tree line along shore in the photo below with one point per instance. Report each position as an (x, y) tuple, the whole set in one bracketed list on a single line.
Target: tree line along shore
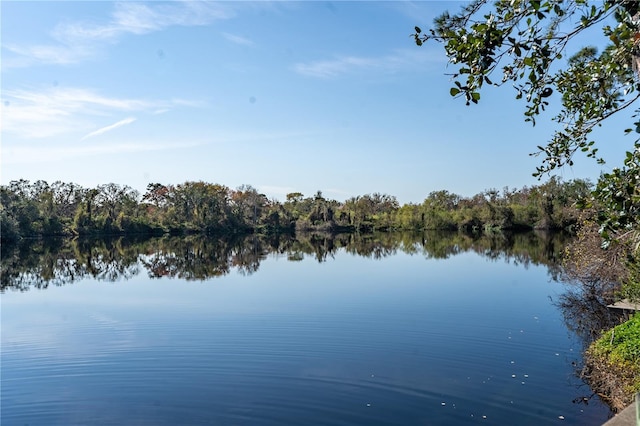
[(35, 209)]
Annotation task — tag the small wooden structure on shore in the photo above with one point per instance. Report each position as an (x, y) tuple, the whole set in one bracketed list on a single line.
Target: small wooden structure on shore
[(626, 305)]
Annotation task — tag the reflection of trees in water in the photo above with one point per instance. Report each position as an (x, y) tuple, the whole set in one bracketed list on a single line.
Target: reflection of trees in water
[(525, 249), (31, 264), (187, 258), (319, 245), (40, 263), (105, 260), (585, 312), (375, 246), (57, 262)]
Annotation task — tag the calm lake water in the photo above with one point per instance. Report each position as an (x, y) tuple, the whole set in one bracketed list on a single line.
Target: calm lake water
[(389, 330)]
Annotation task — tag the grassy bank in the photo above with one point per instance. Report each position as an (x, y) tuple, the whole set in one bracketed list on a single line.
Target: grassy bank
[(612, 364)]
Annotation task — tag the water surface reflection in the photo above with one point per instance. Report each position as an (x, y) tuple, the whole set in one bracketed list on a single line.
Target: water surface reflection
[(41, 263)]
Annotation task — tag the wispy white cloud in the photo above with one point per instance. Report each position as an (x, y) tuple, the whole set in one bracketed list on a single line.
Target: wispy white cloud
[(48, 54), (32, 114), (187, 103), (238, 39), (397, 61), (140, 18), (76, 41), (106, 129), (74, 99)]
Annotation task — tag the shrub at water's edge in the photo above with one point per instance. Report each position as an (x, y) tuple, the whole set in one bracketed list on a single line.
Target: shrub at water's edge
[(612, 363), (605, 275)]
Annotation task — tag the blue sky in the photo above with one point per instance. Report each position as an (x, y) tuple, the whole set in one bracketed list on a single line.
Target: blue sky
[(284, 96)]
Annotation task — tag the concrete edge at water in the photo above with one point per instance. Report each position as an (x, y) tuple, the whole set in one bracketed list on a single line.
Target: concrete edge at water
[(627, 417)]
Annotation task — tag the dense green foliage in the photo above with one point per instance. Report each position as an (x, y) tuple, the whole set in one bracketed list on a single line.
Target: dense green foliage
[(622, 344), (618, 194), (41, 209), (614, 360)]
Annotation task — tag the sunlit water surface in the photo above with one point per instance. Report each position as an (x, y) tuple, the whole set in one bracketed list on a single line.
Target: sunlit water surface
[(401, 340)]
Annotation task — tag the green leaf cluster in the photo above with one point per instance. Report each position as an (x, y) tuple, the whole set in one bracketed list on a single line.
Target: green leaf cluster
[(620, 347), (522, 43), (618, 195)]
